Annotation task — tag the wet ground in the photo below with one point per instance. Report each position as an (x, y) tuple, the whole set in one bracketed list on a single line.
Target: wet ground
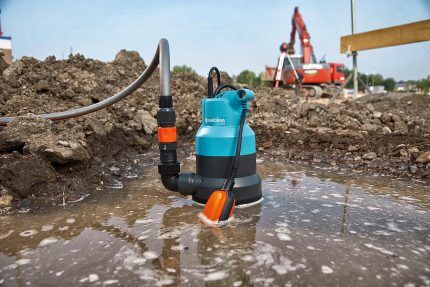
[(315, 227)]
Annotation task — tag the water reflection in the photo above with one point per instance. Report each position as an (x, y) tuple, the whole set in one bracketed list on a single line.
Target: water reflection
[(316, 227), (344, 228)]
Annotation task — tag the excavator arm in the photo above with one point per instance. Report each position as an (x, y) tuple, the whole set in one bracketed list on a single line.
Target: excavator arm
[(299, 26)]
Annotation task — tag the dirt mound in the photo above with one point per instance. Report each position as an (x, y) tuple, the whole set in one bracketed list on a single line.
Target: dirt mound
[(44, 162), (379, 133)]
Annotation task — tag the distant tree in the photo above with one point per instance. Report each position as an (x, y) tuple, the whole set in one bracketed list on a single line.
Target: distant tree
[(183, 69), (249, 78), (376, 80), (389, 84), (424, 84), (370, 80)]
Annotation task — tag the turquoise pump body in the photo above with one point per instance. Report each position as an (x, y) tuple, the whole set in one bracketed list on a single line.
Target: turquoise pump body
[(216, 142), (217, 135)]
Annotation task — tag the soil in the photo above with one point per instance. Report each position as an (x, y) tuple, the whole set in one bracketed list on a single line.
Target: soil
[(44, 163)]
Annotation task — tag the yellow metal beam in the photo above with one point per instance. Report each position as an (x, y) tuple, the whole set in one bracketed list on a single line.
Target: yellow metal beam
[(392, 36)]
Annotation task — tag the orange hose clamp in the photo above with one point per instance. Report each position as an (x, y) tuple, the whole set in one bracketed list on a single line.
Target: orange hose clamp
[(166, 134)]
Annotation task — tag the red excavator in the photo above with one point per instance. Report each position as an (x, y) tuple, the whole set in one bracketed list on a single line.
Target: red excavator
[(303, 71)]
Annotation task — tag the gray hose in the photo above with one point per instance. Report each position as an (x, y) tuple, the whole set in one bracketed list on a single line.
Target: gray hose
[(162, 57)]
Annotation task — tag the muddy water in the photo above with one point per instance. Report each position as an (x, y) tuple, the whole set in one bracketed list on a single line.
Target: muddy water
[(315, 227)]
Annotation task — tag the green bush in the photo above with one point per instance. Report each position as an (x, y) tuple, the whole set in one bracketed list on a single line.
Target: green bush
[(183, 69), (249, 78)]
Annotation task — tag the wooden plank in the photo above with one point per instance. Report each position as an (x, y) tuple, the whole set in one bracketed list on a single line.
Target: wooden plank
[(392, 36)]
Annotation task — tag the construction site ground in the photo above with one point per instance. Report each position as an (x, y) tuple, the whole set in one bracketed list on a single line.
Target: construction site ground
[(44, 163)]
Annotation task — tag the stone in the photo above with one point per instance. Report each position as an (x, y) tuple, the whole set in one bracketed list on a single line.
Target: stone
[(413, 168), (353, 148), (370, 155), (63, 143), (73, 153), (97, 126), (386, 131), (6, 200), (148, 122), (386, 118), (395, 118), (267, 144), (133, 124), (68, 94), (370, 107), (377, 115), (369, 127), (403, 152), (42, 86), (423, 158), (400, 127), (413, 150), (306, 108)]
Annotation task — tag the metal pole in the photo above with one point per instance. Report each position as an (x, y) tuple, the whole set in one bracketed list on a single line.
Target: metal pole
[(354, 53)]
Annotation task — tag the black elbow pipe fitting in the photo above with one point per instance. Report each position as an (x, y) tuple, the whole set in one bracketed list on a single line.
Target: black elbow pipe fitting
[(169, 167), (170, 182)]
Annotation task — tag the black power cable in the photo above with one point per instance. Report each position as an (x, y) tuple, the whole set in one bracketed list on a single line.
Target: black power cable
[(229, 182), (210, 81), (222, 87)]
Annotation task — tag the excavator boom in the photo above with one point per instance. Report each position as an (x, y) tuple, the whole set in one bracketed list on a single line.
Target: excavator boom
[(299, 26)]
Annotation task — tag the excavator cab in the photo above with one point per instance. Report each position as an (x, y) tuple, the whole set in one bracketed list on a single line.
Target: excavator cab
[(338, 73)]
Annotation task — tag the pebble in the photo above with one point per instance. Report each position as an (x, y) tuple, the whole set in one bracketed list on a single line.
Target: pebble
[(284, 237), (403, 152), (377, 114), (22, 261), (370, 155), (386, 130), (150, 255), (413, 168), (93, 278), (326, 270), (215, 276), (353, 148), (47, 227), (47, 241), (413, 150)]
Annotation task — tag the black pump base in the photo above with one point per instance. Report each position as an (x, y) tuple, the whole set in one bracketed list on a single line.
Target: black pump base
[(246, 189), (213, 171)]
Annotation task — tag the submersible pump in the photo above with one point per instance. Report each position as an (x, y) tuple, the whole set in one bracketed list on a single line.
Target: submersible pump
[(226, 172)]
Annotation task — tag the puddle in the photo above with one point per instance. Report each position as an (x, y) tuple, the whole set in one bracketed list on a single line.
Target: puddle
[(314, 227)]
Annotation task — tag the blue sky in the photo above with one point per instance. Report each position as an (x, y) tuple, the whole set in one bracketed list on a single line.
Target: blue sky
[(233, 35)]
